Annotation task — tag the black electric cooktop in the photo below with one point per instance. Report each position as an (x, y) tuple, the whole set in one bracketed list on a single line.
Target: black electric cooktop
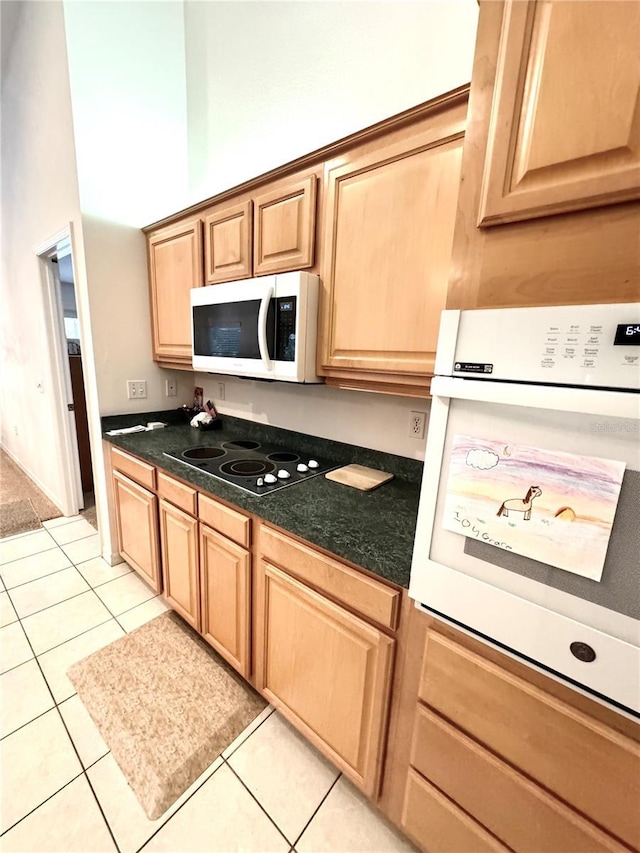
[(254, 467)]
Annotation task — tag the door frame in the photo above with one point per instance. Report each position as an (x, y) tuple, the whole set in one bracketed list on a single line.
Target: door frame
[(61, 244)]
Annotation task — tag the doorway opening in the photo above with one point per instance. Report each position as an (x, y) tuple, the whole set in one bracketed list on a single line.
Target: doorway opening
[(64, 274), (65, 345)]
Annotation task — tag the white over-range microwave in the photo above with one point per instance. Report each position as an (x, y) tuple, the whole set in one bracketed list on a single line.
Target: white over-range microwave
[(261, 328)]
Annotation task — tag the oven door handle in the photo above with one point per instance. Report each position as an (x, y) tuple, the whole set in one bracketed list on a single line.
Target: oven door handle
[(588, 401), (262, 329)]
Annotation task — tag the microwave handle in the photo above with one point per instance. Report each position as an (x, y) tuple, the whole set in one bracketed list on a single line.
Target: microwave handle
[(262, 327)]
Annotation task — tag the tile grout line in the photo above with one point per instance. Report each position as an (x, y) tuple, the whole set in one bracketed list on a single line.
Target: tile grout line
[(49, 606), (68, 640), (84, 770), (63, 569), (33, 719), (182, 805), (253, 796), (86, 631), (75, 749), (46, 800), (31, 532), (42, 577), (223, 762), (73, 746), (320, 804), (262, 722)]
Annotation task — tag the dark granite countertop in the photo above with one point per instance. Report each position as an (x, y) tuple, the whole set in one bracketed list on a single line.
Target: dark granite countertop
[(374, 530)]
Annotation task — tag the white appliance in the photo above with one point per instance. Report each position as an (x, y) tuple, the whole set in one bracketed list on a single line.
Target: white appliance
[(562, 380), (263, 328)]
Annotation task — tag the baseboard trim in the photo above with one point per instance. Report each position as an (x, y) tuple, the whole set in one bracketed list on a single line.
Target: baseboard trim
[(25, 470)]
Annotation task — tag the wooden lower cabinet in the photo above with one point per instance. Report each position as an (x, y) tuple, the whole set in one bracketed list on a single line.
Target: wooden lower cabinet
[(487, 754), (180, 570), (225, 584), (328, 672), (428, 814), (136, 512)]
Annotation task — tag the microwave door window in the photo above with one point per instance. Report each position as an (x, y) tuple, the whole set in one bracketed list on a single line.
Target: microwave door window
[(230, 330)]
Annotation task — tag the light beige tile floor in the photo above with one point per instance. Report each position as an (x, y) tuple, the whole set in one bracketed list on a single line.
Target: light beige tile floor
[(61, 788)]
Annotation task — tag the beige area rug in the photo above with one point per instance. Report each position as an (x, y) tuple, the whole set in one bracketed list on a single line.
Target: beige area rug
[(166, 704), (23, 506)]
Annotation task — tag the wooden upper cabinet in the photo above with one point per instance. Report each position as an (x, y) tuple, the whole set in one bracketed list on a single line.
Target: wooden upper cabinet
[(267, 233), (284, 227), (228, 243), (565, 123), (389, 222), (175, 266)]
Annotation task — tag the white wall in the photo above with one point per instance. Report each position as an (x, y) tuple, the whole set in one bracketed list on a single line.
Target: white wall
[(269, 82), (128, 90), (379, 421), (39, 198), (172, 102)]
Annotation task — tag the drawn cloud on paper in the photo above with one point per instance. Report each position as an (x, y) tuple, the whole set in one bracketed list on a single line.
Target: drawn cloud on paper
[(483, 459), (522, 500)]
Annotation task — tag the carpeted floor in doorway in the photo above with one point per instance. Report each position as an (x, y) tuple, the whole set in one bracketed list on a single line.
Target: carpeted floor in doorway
[(23, 506), (166, 704)]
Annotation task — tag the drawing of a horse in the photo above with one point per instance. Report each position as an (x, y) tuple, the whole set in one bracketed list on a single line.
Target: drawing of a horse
[(519, 504)]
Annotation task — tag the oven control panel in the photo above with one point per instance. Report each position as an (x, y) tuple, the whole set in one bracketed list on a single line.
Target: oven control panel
[(582, 345)]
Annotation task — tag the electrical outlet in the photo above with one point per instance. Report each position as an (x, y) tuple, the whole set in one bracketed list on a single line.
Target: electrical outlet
[(171, 388), (136, 389), (220, 394), (417, 421)]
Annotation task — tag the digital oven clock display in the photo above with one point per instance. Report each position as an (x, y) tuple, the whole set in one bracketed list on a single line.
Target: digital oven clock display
[(627, 334)]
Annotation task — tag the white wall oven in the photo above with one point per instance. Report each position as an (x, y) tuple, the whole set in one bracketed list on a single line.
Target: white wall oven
[(528, 528)]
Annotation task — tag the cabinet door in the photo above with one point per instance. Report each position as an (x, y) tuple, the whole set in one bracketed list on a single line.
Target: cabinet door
[(137, 521), (225, 575), (175, 266), (179, 537), (228, 243), (564, 131), (329, 673), (284, 228), (389, 230)]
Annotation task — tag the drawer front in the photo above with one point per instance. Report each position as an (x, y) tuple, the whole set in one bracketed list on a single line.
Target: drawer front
[(355, 589), (177, 493), (227, 521), (438, 825), (139, 471), (571, 754), (529, 819)]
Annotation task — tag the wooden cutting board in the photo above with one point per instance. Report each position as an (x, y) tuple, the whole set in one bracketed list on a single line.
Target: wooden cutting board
[(359, 477)]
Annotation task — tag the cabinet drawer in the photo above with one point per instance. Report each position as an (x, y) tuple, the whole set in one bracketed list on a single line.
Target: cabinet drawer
[(589, 765), (529, 819), (355, 589), (225, 520), (439, 825), (142, 472), (177, 493)]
